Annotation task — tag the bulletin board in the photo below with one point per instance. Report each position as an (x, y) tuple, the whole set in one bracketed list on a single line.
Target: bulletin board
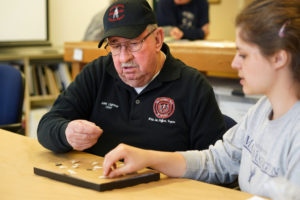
[(24, 23)]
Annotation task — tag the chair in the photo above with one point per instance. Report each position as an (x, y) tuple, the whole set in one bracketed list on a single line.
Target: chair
[(229, 121), (12, 86)]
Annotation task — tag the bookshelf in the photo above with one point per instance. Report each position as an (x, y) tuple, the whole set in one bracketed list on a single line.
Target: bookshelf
[(27, 57)]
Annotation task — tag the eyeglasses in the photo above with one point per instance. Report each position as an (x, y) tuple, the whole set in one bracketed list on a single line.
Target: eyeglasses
[(115, 48)]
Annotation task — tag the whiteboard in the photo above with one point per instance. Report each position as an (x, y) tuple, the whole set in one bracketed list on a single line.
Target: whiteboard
[(23, 21)]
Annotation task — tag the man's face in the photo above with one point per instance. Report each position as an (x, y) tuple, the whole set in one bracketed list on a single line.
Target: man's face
[(181, 2), (136, 68)]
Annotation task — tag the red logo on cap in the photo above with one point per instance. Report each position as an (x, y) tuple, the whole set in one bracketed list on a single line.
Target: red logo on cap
[(115, 13), (163, 107)]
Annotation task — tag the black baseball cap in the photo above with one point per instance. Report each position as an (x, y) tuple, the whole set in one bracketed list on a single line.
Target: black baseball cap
[(127, 19)]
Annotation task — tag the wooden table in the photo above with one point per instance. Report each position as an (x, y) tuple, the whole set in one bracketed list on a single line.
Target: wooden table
[(212, 58), (19, 154)]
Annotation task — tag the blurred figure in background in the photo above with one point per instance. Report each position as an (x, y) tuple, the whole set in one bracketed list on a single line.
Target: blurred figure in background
[(183, 19), (95, 30)]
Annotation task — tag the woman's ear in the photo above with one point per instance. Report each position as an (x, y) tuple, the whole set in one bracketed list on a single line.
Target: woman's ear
[(281, 59), (159, 38)]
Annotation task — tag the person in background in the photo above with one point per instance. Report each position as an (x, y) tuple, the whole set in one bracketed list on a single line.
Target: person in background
[(263, 149), (184, 19), (138, 94), (95, 29)]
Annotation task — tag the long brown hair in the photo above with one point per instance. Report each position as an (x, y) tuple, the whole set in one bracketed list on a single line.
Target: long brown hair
[(273, 25)]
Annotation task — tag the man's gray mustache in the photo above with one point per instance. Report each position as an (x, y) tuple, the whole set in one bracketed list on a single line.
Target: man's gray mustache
[(130, 64)]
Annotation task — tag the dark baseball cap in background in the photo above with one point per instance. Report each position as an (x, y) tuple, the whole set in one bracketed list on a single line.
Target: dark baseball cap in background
[(127, 19)]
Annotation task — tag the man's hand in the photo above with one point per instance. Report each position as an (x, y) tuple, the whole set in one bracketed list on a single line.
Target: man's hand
[(176, 33), (205, 29), (82, 134)]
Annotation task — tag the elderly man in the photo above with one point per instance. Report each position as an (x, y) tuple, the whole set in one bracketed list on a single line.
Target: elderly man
[(138, 94)]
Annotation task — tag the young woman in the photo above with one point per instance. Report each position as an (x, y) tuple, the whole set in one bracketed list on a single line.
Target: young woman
[(263, 150)]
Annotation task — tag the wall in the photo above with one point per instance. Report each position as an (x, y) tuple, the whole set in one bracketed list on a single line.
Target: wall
[(70, 18), (222, 16)]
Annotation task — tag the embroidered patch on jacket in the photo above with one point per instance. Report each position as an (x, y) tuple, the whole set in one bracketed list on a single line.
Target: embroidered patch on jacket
[(109, 106), (163, 107)]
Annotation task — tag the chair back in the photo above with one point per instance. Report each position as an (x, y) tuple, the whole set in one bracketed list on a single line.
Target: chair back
[(12, 86), (229, 121)]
